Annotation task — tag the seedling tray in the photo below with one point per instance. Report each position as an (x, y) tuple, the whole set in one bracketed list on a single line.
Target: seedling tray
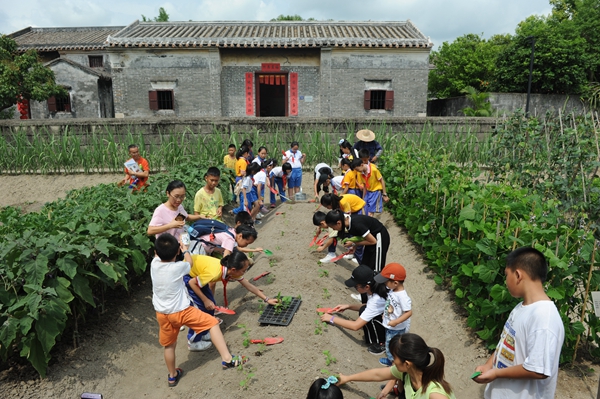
[(281, 319)]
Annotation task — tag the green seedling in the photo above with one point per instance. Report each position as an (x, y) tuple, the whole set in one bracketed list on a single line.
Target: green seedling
[(278, 248), (261, 306), (248, 375), (326, 294), (352, 239), (245, 334), (319, 326), (328, 358), (261, 349), (282, 233), (272, 262), (323, 273), (250, 255), (283, 304), (270, 278)]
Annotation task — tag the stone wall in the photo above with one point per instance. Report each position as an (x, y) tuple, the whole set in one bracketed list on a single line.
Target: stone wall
[(151, 128), (506, 103)]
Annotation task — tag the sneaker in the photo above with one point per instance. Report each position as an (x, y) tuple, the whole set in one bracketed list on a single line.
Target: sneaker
[(328, 258), (357, 297), (384, 361), (173, 381), (354, 260), (376, 349), (264, 210), (272, 206), (234, 362), (257, 222), (206, 337), (199, 346), (259, 216), (349, 256)]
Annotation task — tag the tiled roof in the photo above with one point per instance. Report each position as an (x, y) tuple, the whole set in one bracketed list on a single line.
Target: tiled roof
[(270, 34), (53, 39), (99, 73)]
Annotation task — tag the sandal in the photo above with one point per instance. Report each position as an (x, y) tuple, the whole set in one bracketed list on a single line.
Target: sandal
[(173, 381), (234, 362)]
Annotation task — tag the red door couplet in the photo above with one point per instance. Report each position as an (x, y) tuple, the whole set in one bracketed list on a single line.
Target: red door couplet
[(249, 93), (293, 93)]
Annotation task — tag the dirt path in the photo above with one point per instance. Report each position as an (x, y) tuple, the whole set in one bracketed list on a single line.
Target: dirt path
[(119, 355)]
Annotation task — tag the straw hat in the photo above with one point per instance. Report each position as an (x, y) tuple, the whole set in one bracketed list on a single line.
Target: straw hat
[(365, 135)]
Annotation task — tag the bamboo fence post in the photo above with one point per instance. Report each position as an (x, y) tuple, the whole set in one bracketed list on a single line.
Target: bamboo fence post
[(585, 298), (515, 240), (462, 202)]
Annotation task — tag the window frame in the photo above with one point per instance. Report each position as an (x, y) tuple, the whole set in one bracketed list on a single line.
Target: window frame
[(388, 100), (92, 59), (155, 101)]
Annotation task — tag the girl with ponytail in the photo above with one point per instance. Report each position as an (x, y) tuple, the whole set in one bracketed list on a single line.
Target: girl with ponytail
[(418, 370), (206, 270)]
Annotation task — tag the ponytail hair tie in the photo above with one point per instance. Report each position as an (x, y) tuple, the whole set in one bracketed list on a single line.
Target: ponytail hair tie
[(431, 358), (330, 380)]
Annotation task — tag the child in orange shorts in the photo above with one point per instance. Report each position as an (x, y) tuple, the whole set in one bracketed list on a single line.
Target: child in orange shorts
[(173, 308)]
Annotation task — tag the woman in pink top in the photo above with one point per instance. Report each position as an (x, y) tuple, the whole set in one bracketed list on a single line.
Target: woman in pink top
[(170, 217)]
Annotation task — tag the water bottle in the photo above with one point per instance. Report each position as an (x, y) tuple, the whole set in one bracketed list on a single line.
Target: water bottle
[(192, 231)]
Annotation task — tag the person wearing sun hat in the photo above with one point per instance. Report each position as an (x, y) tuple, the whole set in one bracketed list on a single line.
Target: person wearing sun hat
[(398, 306), (366, 140), (369, 314)]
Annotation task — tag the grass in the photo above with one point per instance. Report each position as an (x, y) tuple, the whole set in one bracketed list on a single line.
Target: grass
[(104, 150)]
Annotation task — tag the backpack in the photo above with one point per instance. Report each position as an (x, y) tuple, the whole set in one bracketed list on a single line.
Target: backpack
[(238, 187), (210, 227)]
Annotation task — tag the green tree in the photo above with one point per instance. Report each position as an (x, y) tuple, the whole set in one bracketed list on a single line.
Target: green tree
[(162, 16), (294, 17), (560, 59), (23, 76), (468, 61), (481, 105)]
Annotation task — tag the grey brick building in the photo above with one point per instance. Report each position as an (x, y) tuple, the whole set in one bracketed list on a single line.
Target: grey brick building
[(235, 69)]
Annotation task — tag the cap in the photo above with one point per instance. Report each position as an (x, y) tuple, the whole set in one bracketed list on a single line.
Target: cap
[(365, 135), (361, 275), (392, 271)]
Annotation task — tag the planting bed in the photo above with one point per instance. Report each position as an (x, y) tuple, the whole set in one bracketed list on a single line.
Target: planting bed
[(119, 354)]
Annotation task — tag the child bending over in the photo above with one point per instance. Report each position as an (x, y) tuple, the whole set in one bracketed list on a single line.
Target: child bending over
[(172, 305)]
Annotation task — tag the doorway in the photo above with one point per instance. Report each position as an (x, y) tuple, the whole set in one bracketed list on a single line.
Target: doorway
[(272, 97)]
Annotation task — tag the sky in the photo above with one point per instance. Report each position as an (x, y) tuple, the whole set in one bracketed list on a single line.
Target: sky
[(441, 20)]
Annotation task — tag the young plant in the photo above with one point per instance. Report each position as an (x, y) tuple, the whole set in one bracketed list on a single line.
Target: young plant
[(260, 350), (270, 278), (319, 326), (328, 358), (323, 273), (282, 233), (326, 294), (261, 306), (272, 262), (248, 375), (245, 334)]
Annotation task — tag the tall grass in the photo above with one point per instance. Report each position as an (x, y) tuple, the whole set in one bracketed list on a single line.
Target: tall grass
[(103, 150)]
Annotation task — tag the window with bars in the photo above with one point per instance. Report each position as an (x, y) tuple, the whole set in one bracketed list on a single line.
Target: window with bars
[(59, 104), (379, 99), (161, 99), (96, 61)]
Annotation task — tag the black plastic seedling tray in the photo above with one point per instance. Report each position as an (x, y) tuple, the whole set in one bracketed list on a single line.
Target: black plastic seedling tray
[(281, 319)]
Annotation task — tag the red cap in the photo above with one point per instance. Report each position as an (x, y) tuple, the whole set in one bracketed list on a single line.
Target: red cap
[(392, 271)]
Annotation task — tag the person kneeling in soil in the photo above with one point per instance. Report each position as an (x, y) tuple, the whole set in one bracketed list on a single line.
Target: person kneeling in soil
[(370, 314), (206, 270), (173, 309), (418, 370)]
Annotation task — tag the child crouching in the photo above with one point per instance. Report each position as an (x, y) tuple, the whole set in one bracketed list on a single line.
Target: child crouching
[(172, 305)]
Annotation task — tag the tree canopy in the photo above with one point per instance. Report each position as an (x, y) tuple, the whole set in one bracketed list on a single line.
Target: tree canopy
[(23, 76), (566, 55), (468, 61), (162, 16), (294, 17)]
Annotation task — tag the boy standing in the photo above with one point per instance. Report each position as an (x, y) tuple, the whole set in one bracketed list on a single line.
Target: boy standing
[(525, 362), (172, 305), (398, 306), (374, 185), (208, 202), (229, 159)]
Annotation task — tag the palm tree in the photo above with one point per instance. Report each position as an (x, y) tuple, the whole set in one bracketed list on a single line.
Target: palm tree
[(481, 105)]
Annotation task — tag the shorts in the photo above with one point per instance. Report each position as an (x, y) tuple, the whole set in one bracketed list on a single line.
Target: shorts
[(374, 202), (295, 179), (191, 317), (355, 191)]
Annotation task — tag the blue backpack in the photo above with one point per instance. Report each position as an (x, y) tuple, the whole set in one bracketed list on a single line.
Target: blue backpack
[(209, 227)]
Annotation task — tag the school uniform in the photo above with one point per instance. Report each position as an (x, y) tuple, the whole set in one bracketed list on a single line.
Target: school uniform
[(279, 180), (374, 189), (373, 256), (294, 158)]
